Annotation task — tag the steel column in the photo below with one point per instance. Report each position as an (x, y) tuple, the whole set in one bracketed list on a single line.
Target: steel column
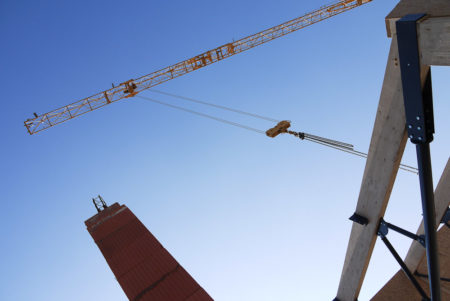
[(420, 125), (429, 218)]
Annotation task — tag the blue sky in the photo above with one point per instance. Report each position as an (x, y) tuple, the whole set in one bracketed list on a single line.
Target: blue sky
[(250, 218)]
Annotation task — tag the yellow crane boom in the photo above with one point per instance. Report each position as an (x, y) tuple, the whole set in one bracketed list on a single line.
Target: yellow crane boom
[(134, 86)]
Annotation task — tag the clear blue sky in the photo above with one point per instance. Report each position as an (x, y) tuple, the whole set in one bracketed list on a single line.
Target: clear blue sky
[(249, 217)]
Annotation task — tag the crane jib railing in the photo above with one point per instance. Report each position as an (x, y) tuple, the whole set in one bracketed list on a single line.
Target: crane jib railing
[(132, 87)]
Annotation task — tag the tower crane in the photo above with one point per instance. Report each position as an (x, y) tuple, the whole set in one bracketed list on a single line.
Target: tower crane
[(132, 87)]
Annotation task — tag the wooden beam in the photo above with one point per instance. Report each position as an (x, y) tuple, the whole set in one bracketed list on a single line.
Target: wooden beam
[(433, 31), (433, 8), (385, 152), (388, 142), (434, 41), (442, 200)]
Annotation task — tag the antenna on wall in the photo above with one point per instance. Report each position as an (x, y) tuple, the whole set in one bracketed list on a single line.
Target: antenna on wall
[(99, 203)]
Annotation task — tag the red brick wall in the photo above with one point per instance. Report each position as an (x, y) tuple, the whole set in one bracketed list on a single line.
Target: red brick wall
[(143, 268)]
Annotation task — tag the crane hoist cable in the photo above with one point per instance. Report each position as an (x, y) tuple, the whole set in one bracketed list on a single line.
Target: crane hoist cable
[(280, 128)]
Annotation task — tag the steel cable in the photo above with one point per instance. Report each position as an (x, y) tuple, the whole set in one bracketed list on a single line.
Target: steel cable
[(215, 105), (364, 155), (328, 141), (202, 114), (342, 146)]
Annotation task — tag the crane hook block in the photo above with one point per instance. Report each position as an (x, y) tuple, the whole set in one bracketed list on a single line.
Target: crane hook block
[(281, 127)]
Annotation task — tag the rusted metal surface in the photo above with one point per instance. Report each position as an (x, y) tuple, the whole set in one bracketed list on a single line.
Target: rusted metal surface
[(143, 267)]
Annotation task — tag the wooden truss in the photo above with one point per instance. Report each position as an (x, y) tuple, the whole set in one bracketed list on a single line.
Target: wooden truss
[(388, 142)]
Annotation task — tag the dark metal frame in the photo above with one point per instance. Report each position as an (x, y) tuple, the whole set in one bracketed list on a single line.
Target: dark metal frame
[(418, 102), (383, 230), (383, 224)]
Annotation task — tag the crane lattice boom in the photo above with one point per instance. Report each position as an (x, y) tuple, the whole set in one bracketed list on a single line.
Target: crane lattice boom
[(134, 86)]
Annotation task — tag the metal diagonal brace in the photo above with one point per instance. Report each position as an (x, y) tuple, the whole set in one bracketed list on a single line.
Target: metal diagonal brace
[(383, 230), (419, 238), (446, 218)]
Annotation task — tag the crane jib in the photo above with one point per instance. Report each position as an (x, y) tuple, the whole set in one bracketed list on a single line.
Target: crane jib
[(134, 86)]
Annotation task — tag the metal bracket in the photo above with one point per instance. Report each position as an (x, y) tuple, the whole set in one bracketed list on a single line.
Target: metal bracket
[(418, 100), (359, 219)]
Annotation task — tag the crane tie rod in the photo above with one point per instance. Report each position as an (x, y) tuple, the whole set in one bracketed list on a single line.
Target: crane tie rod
[(201, 114), (215, 105), (280, 128)]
